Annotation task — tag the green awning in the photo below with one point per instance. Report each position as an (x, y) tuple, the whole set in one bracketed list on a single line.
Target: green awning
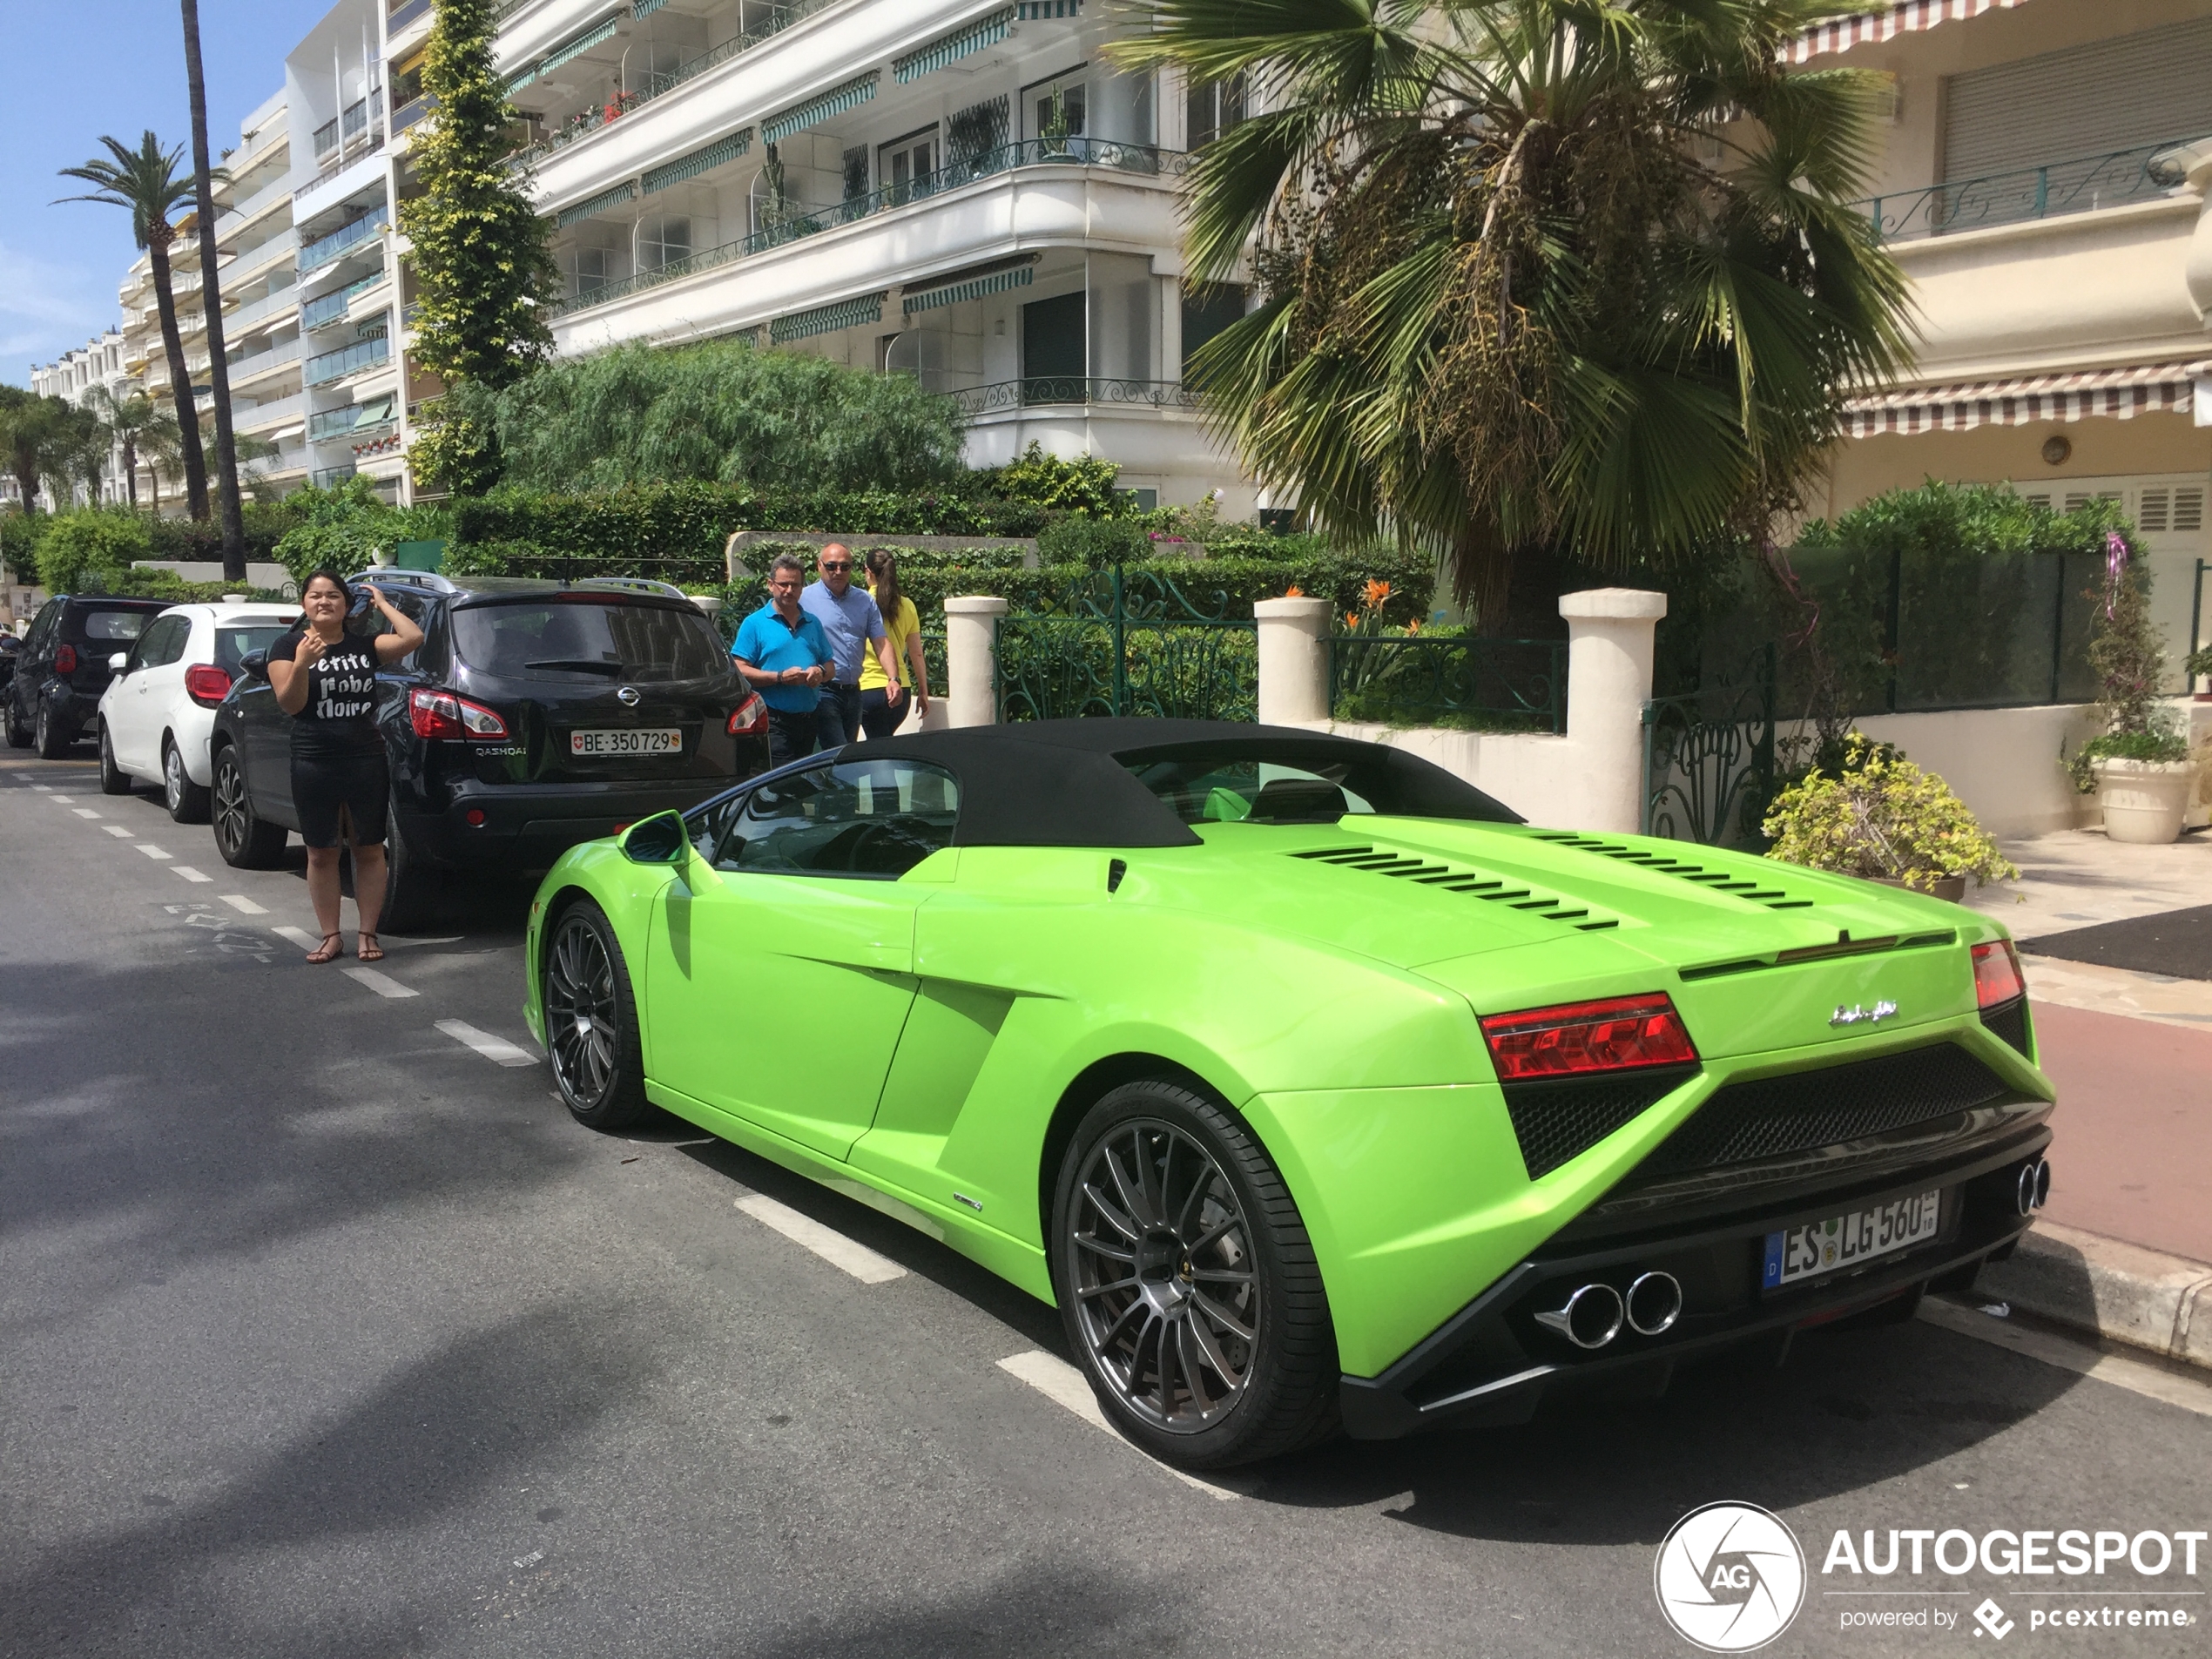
[(690, 166), (1038, 11), (973, 288), (984, 31), (836, 101), (517, 82), (640, 8), (825, 319), (583, 42), (598, 204)]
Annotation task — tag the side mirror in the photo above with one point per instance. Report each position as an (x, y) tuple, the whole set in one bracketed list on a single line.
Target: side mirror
[(255, 663), (661, 839), (119, 661)]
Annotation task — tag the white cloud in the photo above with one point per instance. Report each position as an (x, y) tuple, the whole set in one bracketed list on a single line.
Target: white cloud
[(46, 309)]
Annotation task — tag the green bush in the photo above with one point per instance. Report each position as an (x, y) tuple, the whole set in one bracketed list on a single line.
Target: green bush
[(187, 540), (1083, 487), (1095, 542), (19, 546), (89, 546), (344, 526)]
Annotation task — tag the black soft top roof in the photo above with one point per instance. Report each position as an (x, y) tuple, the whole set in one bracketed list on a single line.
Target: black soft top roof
[(1067, 783)]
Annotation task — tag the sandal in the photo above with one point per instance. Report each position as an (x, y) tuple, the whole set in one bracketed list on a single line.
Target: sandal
[(331, 948), (367, 949)]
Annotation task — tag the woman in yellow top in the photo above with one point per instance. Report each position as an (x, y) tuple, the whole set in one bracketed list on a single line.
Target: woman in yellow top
[(879, 718)]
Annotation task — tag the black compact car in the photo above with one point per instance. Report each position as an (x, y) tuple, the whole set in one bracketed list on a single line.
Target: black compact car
[(62, 669), (534, 716)]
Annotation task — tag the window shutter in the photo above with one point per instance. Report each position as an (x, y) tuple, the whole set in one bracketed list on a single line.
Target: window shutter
[(2154, 87)]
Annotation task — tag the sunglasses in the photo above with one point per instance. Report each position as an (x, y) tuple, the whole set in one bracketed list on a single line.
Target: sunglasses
[(831, 564)]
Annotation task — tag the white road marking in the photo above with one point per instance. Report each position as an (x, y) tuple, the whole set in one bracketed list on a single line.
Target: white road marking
[(831, 1246), (118, 832), (492, 1048), (2138, 1375), (1066, 1387), (382, 984), (243, 905), (43, 789), (151, 851), (63, 800), (84, 811), (189, 873), (299, 936)]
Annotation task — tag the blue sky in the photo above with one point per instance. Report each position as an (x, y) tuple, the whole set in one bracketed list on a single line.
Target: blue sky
[(73, 70)]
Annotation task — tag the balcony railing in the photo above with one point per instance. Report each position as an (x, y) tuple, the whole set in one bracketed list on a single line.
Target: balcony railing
[(332, 246), (403, 15), (1142, 159), (348, 423), (331, 306), (245, 368), (323, 477), (272, 304), (336, 365), (1039, 389), (2079, 186), (411, 111)]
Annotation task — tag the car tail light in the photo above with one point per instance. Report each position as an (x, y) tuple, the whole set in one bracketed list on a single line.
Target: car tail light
[(749, 717), (1997, 979), (65, 659), (207, 685), (1618, 1034), (440, 714)]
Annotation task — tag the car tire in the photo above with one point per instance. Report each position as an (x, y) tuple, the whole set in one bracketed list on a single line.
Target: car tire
[(48, 738), (186, 800), (113, 780), (18, 734), (1205, 1358), (245, 841), (412, 890), (591, 1021)]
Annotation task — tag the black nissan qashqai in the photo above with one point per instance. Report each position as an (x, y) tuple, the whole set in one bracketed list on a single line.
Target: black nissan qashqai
[(534, 715)]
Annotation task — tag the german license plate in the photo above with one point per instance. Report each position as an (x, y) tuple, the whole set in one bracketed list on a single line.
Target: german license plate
[(656, 741), (1845, 1241)]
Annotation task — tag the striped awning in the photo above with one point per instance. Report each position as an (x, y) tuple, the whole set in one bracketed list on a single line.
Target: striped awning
[(836, 101), (950, 49), (598, 204), (825, 319), (2114, 394), (973, 288), (1038, 11), (517, 82), (644, 8), (583, 42), (724, 149), (1842, 34)]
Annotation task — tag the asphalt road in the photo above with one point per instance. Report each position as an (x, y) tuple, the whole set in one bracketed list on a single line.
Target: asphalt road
[(323, 1332)]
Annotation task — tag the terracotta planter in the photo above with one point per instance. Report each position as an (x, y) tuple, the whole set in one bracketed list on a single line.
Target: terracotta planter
[(2144, 801), (1951, 887)]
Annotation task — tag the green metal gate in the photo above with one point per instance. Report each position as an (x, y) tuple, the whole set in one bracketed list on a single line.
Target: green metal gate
[(1709, 757), (1113, 643)]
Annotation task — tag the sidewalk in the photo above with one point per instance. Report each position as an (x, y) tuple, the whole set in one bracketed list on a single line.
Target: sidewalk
[(2124, 1247)]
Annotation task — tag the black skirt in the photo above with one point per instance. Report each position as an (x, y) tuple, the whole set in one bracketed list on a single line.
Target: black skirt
[(323, 785)]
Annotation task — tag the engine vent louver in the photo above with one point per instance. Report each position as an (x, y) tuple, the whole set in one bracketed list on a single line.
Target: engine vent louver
[(1764, 892), (1446, 877)]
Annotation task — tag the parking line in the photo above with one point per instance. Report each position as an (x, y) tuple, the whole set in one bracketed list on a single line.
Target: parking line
[(299, 936), (63, 800), (2137, 1375), (151, 851), (118, 832), (244, 906), (492, 1048), (43, 789), (831, 1246), (382, 984), (84, 811), (1066, 1387), (189, 873)]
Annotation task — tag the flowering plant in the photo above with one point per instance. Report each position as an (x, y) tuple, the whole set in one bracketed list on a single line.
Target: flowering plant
[(1880, 815), (2129, 661)]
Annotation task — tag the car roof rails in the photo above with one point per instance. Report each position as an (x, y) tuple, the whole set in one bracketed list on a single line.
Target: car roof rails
[(430, 579), (633, 584)]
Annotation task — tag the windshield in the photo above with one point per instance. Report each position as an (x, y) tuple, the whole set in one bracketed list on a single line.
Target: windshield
[(232, 643), (1230, 792), (573, 638)]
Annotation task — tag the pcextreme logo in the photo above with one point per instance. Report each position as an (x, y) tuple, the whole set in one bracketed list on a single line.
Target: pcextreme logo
[(1730, 1577)]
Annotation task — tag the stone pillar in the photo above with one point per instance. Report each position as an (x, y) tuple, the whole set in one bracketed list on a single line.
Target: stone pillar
[(1609, 679), (971, 659), (1293, 660)]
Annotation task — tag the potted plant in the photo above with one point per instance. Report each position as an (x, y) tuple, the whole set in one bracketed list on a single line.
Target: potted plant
[(1881, 816), (2138, 765)]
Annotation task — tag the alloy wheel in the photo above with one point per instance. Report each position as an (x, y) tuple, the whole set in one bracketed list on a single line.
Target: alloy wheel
[(173, 780), (580, 1015), (1168, 1295), (229, 807)]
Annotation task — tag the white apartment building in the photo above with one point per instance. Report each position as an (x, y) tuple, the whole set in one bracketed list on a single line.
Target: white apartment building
[(959, 189), (2044, 185), (72, 377)]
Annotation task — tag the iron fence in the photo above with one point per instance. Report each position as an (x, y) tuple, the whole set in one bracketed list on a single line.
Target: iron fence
[(1472, 684), (1113, 644), (2079, 185), (1074, 388), (1708, 765)]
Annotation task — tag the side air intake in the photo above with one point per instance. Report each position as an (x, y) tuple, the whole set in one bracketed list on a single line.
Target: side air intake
[(1446, 877)]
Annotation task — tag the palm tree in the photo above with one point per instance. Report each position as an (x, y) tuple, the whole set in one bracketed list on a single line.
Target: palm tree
[(145, 180), (204, 179), (1535, 275), (134, 422)]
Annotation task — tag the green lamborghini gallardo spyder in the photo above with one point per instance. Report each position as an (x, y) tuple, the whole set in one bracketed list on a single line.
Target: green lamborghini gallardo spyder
[(1313, 1086)]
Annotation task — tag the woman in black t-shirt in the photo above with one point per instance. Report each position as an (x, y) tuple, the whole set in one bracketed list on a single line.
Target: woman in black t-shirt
[(325, 679)]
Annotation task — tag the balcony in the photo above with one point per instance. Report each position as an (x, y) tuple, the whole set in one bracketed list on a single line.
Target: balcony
[(276, 303), (335, 366), (262, 256), (328, 309), (1053, 390), (324, 477), (2081, 185), (259, 418), (244, 371), (340, 242), (352, 421)]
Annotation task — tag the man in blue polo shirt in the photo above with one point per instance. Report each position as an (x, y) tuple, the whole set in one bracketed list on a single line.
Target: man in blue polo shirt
[(783, 655), (853, 627)]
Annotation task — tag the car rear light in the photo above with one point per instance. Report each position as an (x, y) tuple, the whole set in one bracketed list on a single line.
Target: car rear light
[(1619, 1033), (1997, 979), (440, 714), (65, 659), (207, 685), (474, 817), (749, 717)]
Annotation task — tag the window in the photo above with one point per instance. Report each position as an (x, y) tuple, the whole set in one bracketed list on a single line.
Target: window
[(1233, 792), (1206, 312), (974, 135), (855, 171), (1052, 338), (873, 819), (232, 643), (905, 164), (591, 268), (1210, 108), (162, 644), (96, 624), (1055, 106), (663, 241), (580, 638)]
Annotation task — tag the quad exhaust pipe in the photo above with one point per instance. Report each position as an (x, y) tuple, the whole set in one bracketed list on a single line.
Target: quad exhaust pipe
[(2034, 1190), (1596, 1312)]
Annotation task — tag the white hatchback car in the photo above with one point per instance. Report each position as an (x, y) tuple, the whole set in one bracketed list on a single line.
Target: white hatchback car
[(157, 711)]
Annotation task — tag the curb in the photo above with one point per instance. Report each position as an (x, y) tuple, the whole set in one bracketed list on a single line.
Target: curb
[(2144, 1298)]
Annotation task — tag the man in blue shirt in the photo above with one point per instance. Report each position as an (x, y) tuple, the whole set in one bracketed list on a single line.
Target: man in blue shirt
[(784, 656), (853, 626)]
